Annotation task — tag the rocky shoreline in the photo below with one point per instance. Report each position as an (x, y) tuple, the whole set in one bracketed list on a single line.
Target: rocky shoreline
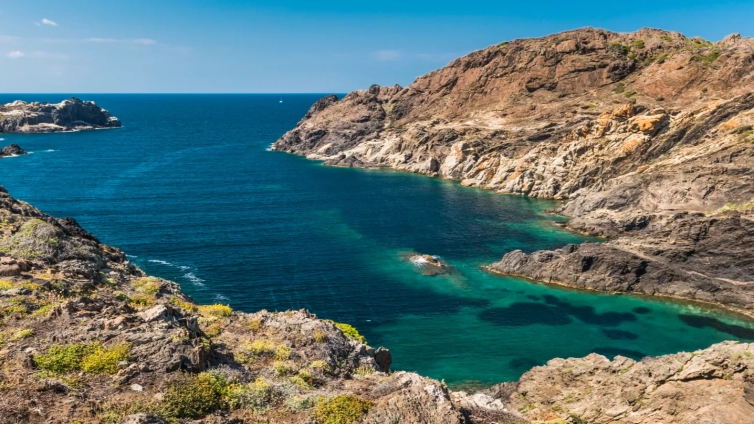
[(646, 137), (88, 337), (69, 115)]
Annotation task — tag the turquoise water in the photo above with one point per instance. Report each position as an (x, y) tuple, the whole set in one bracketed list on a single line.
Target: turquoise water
[(189, 190)]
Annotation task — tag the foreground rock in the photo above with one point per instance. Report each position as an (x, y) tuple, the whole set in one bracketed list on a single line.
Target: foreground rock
[(12, 150), (68, 115), (713, 385), (646, 136)]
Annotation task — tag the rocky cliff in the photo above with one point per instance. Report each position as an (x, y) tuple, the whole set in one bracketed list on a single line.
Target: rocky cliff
[(68, 115), (646, 137)]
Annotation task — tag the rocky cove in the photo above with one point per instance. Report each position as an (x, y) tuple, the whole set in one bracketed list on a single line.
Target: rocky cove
[(89, 337)]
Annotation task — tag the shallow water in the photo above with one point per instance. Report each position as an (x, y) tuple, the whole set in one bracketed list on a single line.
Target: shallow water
[(189, 190)]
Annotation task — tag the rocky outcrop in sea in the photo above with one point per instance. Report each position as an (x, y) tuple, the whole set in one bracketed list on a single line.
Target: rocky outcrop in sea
[(646, 137), (12, 150), (69, 115)]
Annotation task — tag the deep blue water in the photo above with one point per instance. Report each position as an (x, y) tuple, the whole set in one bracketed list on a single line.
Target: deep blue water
[(190, 191)]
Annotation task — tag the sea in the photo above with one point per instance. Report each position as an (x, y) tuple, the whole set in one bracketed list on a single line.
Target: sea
[(189, 189)]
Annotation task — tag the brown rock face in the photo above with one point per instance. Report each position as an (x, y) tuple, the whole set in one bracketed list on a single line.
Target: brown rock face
[(707, 386), (629, 129)]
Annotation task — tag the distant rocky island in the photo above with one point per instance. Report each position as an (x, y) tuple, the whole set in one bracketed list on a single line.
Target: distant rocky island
[(69, 115), (646, 137)]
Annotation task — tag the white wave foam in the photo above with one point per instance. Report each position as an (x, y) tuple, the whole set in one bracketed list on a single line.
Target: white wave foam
[(220, 297), (50, 150), (170, 264), (194, 279), (131, 256), (419, 260)]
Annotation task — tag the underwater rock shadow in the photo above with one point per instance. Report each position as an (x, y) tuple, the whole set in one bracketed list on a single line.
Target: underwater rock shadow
[(553, 312), (619, 334), (714, 323)]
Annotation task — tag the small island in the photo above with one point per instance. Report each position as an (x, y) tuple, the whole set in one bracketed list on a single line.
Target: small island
[(12, 150), (69, 115)]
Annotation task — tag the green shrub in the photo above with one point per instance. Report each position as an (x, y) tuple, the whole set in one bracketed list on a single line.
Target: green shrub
[(663, 57), (257, 396), (148, 285), (299, 403), (195, 397), (62, 359), (618, 48), (708, 58), (320, 366), (737, 207), (264, 347), (619, 88), (342, 409), (22, 334), (105, 361), (319, 336), (350, 331), (215, 311), (282, 369), (37, 239), (666, 38), (119, 295), (639, 44), (184, 305), (363, 371), (90, 357)]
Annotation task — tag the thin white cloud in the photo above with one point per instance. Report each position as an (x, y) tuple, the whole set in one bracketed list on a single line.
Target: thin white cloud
[(46, 21), (48, 55), (17, 54), (102, 40), (143, 41), (387, 55)]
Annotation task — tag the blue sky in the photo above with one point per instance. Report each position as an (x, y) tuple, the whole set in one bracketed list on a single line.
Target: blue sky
[(216, 46)]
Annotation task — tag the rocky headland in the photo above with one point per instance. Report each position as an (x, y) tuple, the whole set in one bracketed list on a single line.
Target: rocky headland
[(12, 150), (87, 337), (69, 115), (646, 137)]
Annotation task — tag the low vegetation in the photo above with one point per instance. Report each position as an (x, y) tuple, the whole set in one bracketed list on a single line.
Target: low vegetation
[(350, 331), (342, 409), (90, 357), (195, 397), (734, 207)]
